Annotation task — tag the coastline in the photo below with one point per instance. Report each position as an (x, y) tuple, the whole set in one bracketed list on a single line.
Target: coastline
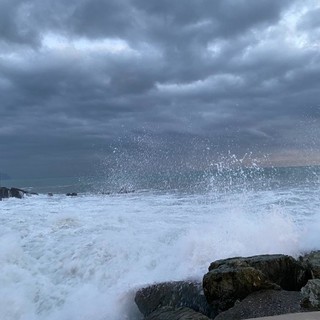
[(203, 236)]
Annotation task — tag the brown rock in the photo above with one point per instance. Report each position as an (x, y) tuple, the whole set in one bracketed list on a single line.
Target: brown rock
[(228, 284), (283, 270)]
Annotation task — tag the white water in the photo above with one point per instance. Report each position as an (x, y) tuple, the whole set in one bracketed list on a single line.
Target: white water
[(82, 258)]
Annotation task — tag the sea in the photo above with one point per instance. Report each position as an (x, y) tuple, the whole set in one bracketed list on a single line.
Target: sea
[(84, 257)]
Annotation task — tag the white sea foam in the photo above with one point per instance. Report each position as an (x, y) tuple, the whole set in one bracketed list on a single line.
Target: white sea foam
[(83, 258)]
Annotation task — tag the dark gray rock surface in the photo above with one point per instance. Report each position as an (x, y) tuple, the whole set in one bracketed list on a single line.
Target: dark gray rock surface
[(14, 193), (4, 192), (71, 194), (174, 294), (169, 313), (263, 304), (311, 293), (312, 261)]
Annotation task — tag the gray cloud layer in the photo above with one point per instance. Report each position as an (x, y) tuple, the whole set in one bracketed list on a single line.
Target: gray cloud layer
[(183, 81)]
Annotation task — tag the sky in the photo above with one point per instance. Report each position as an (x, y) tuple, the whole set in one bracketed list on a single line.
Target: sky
[(88, 84)]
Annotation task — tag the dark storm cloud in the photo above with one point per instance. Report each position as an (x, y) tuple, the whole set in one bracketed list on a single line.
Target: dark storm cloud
[(81, 78), (13, 22)]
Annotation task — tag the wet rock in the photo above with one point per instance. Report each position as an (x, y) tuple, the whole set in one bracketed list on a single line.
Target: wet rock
[(124, 190), (312, 261), (228, 284), (311, 294), (14, 192), (283, 270), (50, 194), (169, 313), (4, 192), (17, 193), (71, 194), (263, 304), (245, 287), (173, 294)]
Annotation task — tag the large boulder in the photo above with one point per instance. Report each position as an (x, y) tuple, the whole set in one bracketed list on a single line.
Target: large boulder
[(312, 261), (14, 193), (283, 270), (174, 294), (263, 304), (17, 193), (225, 285), (229, 280), (169, 313), (311, 294)]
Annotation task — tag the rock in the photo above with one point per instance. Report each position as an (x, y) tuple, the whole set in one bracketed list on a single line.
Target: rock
[(169, 313), (228, 284), (14, 192), (174, 294), (4, 192), (72, 194), (50, 194), (283, 270), (311, 294), (231, 279), (126, 190), (263, 304), (312, 261), (17, 193)]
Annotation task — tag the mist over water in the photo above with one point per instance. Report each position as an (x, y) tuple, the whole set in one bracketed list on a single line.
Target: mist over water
[(84, 257)]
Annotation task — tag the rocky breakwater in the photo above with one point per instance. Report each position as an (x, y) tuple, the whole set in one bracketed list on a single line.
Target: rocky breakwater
[(14, 193), (238, 288)]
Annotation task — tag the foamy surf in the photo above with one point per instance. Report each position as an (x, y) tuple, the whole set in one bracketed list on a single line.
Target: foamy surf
[(83, 258)]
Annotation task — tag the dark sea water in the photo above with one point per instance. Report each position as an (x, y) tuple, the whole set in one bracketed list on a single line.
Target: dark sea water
[(213, 179), (83, 257)]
